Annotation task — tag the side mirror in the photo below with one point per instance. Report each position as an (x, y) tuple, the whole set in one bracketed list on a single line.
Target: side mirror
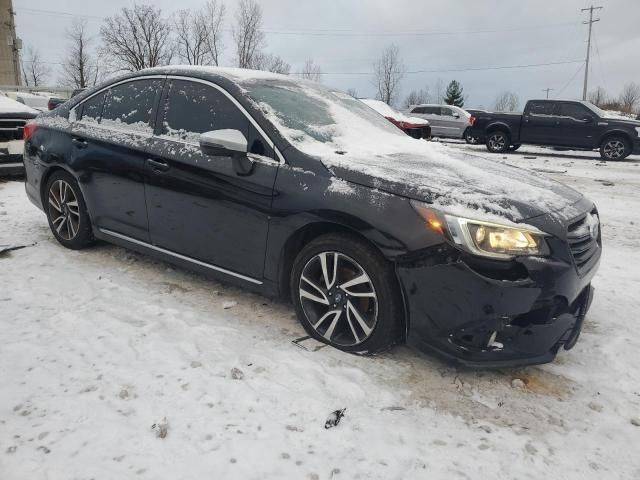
[(456, 115), (223, 143), (587, 119)]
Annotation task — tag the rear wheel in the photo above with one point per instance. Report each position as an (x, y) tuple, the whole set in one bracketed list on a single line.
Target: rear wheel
[(345, 294), (498, 142), (67, 211), (470, 139), (615, 148)]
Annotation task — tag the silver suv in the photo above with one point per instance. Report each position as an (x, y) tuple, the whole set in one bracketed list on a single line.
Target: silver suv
[(446, 120)]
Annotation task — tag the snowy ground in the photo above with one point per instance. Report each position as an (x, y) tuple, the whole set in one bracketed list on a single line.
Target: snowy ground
[(99, 345)]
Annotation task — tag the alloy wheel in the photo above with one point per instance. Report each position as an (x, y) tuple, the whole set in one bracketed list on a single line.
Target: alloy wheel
[(64, 210), (497, 142), (614, 149), (338, 299)]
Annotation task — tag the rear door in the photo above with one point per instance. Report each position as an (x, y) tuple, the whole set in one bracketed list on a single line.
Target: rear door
[(539, 123), (578, 126), (450, 124), (109, 138), (205, 207)]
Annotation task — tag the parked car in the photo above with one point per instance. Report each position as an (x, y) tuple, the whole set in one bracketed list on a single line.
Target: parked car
[(412, 126), (55, 102), (37, 102), (293, 189), (561, 124), (447, 121), (475, 114), (13, 117)]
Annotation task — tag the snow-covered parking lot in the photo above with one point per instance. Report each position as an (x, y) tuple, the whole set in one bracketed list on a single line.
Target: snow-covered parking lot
[(97, 346)]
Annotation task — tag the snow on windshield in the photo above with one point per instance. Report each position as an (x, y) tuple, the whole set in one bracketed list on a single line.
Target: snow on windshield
[(342, 132)]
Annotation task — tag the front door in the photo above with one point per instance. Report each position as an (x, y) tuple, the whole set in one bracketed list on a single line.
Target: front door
[(578, 126), (109, 139), (206, 207)]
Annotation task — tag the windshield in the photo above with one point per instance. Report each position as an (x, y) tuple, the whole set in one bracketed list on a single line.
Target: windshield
[(319, 121)]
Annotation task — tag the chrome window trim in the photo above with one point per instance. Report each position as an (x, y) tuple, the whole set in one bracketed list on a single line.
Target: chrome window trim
[(270, 142), (181, 257), (72, 113)]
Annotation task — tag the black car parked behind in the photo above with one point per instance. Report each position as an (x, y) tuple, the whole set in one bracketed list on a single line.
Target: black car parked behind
[(290, 188)]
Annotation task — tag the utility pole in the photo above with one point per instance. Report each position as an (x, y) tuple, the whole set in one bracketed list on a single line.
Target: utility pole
[(586, 67), (547, 90)]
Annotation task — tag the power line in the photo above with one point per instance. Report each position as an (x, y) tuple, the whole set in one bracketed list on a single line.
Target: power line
[(571, 79), (336, 32)]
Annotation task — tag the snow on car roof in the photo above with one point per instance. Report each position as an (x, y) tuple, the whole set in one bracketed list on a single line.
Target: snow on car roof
[(233, 73), (8, 105)]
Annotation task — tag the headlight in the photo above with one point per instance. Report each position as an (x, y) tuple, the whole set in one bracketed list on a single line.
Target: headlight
[(486, 238)]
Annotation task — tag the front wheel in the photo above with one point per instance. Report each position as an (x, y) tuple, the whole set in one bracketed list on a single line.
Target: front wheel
[(615, 148), (346, 294), (67, 211), (498, 142)]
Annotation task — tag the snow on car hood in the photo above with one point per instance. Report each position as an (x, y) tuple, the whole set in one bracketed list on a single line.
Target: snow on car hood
[(10, 106), (360, 146), (460, 184)]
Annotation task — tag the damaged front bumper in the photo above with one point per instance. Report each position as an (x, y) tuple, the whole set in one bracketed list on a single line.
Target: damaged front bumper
[(490, 314)]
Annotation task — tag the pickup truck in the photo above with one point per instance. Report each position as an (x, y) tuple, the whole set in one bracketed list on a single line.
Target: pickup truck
[(559, 123)]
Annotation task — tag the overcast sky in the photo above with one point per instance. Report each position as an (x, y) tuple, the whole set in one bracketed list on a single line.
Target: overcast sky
[(439, 36)]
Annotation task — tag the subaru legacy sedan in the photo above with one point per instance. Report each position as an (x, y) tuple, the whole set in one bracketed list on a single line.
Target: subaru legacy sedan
[(292, 189)]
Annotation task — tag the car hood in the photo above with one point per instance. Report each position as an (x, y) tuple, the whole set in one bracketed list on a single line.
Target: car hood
[(460, 184)]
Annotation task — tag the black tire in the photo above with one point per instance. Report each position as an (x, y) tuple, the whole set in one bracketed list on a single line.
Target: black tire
[(498, 141), (615, 148), (470, 139), (347, 334), (513, 148), (67, 212)]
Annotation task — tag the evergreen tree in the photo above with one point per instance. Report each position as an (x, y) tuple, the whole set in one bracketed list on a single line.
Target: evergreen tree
[(454, 95)]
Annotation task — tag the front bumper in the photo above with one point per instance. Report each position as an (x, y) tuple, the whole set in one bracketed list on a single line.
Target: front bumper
[(485, 314)]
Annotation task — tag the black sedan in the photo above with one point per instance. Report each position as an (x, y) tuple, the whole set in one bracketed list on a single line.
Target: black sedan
[(295, 190)]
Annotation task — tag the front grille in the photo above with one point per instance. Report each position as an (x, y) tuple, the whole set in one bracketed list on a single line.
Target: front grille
[(11, 123), (584, 240)]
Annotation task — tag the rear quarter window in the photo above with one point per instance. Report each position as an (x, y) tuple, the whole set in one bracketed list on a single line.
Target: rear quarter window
[(91, 110)]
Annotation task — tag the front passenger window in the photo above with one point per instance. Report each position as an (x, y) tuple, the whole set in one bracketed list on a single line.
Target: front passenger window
[(192, 108)]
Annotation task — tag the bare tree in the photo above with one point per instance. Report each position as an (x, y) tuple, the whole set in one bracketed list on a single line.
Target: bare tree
[(598, 96), (212, 18), (416, 97), (311, 71), (247, 33), (137, 38), (190, 32), (34, 71), (353, 92), (81, 66), (630, 97), (507, 101), (271, 63), (389, 71)]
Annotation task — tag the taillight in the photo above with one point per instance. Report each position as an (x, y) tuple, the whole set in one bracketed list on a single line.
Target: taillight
[(472, 120), (50, 105), (28, 131)]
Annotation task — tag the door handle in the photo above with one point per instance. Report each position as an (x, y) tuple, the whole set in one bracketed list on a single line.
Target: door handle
[(79, 142), (158, 166)]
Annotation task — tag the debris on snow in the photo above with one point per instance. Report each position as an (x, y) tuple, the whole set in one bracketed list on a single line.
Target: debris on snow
[(310, 344), (635, 422), (517, 383), (228, 305), (237, 374), (334, 418), (196, 364), (161, 429)]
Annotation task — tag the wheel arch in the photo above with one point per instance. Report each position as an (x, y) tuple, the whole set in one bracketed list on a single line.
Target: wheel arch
[(615, 133), (498, 127), (47, 174)]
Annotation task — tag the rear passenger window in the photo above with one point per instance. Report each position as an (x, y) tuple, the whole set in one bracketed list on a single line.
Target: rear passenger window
[(91, 110), (131, 104), (193, 108), (447, 112), (541, 109)]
